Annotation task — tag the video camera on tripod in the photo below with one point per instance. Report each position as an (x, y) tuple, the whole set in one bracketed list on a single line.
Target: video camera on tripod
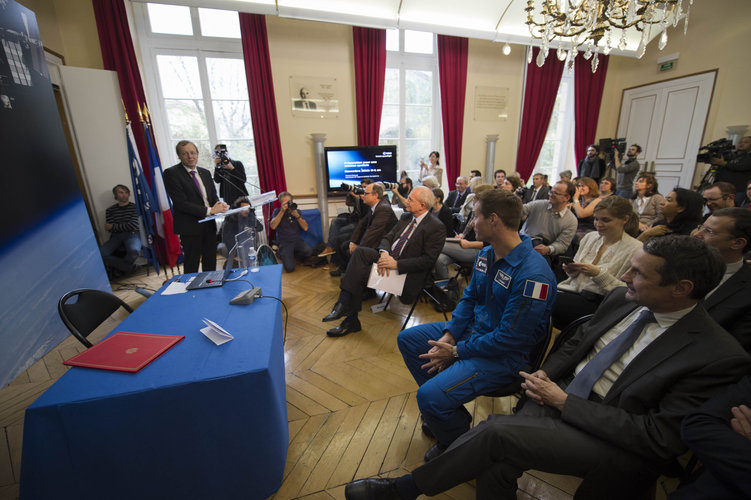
[(609, 147), (715, 149)]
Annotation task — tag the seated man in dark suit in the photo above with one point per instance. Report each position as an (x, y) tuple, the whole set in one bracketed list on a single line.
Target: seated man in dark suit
[(538, 191), (719, 433), (411, 247), (456, 198), (615, 393), (378, 220), (729, 231), (193, 195), (503, 314)]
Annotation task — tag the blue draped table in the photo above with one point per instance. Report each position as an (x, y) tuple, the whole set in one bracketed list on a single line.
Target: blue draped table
[(201, 421)]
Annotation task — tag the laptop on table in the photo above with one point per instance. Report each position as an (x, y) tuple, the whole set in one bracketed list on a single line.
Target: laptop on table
[(212, 279)]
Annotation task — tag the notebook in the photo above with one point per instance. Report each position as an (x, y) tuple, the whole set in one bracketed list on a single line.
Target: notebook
[(211, 279), (125, 351)]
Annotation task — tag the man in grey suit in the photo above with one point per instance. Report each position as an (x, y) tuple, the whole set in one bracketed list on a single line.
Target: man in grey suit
[(614, 394)]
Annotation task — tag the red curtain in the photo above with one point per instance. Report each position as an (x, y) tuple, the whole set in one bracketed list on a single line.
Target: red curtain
[(118, 55), (262, 103), (540, 90), (587, 99), (452, 71), (370, 74)]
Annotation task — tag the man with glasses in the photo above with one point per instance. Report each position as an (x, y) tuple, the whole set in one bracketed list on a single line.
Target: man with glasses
[(456, 198), (550, 222), (378, 220), (729, 231), (411, 247), (719, 195), (193, 195)]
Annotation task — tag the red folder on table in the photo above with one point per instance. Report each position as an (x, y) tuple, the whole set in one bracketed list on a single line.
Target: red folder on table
[(125, 351)]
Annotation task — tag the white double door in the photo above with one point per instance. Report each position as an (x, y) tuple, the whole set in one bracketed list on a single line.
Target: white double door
[(667, 120)]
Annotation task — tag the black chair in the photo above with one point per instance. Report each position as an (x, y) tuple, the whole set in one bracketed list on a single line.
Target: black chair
[(424, 293), (90, 309), (537, 357)]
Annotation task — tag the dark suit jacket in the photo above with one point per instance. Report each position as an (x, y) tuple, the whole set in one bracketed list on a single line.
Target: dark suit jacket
[(542, 194), (187, 203), (642, 412), (374, 225), (449, 202), (730, 306), (419, 254)]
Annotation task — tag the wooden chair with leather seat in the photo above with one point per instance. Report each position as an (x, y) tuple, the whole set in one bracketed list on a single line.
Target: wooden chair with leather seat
[(91, 307)]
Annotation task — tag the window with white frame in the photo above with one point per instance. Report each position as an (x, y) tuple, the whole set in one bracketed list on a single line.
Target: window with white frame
[(195, 74), (557, 152), (411, 118)]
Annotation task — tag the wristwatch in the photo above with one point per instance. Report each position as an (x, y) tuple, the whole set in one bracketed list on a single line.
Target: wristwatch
[(455, 352)]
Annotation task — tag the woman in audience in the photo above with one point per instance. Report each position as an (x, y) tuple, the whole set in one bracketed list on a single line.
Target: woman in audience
[(680, 213), (603, 256), (646, 200), (565, 175), (432, 168), (401, 193), (607, 187), (463, 252), (512, 183), (586, 199), (443, 213)]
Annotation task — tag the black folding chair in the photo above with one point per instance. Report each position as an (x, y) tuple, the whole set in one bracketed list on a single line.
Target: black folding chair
[(89, 310)]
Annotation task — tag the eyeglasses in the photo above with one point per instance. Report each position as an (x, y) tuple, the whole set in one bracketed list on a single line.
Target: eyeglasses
[(709, 230), (581, 185)]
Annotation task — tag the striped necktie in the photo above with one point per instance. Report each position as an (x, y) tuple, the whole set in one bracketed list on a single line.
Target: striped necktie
[(397, 250)]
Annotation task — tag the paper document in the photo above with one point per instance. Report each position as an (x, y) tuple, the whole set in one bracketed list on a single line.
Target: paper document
[(176, 287), (393, 283), (216, 333)]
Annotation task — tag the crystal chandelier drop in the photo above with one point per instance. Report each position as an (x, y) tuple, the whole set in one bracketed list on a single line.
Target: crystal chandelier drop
[(583, 23)]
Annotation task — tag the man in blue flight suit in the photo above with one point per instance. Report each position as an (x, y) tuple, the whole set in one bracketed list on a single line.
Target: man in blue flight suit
[(501, 317)]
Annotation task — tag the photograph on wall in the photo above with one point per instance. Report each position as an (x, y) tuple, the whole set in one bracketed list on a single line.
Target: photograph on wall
[(313, 96)]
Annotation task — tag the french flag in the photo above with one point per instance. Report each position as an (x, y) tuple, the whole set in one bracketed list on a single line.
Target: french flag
[(536, 290)]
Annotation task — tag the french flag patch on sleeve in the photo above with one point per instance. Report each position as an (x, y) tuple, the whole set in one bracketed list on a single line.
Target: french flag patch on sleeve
[(536, 290)]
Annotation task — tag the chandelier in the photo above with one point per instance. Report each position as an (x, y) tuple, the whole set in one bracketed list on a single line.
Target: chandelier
[(583, 23)]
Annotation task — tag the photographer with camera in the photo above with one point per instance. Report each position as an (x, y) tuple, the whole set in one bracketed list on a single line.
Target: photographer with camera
[(287, 222), (627, 170), (229, 174), (737, 169)]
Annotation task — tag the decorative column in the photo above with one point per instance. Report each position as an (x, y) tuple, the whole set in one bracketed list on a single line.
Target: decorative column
[(322, 186), (490, 139)]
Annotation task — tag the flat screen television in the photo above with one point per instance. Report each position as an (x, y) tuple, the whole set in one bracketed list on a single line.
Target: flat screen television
[(351, 164)]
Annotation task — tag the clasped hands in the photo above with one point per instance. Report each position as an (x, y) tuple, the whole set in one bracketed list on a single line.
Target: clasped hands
[(219, 207), (581, 267), (440, 355), (540, 389), (385, 263)]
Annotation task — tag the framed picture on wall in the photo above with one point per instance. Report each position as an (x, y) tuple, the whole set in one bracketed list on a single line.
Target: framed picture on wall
[(313, 96)]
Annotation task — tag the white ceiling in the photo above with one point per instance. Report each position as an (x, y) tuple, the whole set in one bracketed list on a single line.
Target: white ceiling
[(497, 20)]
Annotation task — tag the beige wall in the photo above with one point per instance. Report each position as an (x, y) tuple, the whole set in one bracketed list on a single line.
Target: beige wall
[(719, 35), (68, 27), (306, 48), (488, 67)]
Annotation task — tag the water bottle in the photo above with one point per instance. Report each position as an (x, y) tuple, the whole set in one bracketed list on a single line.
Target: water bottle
[(252, 260)]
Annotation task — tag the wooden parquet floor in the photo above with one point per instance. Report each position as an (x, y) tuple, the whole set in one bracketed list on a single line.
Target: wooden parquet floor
[(350, 401)]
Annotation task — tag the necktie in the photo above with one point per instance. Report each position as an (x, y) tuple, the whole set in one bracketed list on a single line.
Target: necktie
[(582, 384), (196, 181), (397, 250), (456, 201)]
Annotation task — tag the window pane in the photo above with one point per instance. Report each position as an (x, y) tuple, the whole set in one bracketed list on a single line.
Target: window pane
[(233, 119), (186, 119), (392, 40), (418, 120), (419, 87), (391, 86), (414, 151), (227, 78), (170, 19), (222, 23), (389, 122), (419, 42), (179, 77)]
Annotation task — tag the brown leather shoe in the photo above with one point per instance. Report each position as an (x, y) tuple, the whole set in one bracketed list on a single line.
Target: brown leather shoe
[(326, 252)]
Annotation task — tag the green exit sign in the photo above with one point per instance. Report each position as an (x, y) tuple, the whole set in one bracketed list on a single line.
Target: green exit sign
[(667, 66)]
